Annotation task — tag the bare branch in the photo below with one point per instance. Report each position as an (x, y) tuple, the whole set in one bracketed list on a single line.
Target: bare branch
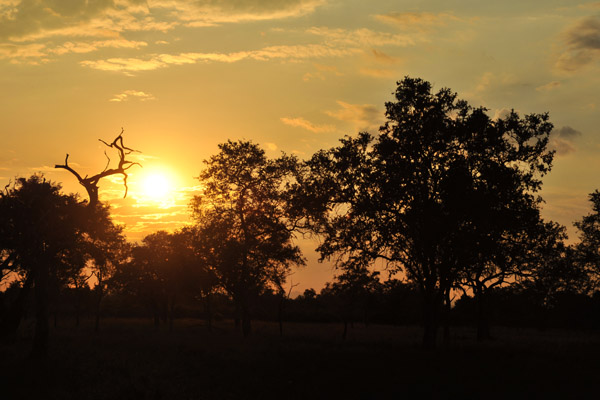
[(91, 183)]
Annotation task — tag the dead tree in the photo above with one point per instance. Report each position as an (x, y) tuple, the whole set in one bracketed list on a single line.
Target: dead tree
[(91, 183)]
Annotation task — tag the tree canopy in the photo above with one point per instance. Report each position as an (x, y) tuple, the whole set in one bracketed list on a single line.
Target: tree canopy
[(436, 194)]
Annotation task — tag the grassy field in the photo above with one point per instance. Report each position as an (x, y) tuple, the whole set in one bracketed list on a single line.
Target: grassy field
[(128, 359)]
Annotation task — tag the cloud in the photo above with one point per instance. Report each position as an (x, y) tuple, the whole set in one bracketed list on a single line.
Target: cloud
[(383, 58), (421, 21), (362, 116), (81, 26), (548, 86), (562, 140), (35, 53), (271, 146), (566, 132), (501, 113), (582, 44), (321, 72), (132, 94), (305, 124), (378, 72), (215, 12), (363, 37), (294, 53)]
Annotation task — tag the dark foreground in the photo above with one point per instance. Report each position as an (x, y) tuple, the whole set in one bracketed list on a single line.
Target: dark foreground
[(130, 360)]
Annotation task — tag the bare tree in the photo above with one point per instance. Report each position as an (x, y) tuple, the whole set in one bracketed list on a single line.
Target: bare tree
[(91, 183)]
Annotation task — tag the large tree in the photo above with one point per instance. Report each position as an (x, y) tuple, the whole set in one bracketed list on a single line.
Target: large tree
[(39, 229), (435, 194), (588, 249), (242, 213)]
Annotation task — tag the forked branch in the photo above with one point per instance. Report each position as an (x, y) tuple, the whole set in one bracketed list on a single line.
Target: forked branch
[(91, 183)]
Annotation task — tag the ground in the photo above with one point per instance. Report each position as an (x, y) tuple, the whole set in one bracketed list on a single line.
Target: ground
[(129, 359)]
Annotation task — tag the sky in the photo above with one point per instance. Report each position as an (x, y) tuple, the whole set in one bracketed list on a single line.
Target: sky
[(293, 76)]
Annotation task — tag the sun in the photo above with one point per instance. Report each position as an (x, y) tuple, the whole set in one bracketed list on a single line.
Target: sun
[(156, 186)]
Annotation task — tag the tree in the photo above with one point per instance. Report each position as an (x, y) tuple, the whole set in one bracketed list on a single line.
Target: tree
[(352, 291), (551, 268), (39, 226), (433, 195), (242, 214), (106, 250), (588, 248), (91, 183)]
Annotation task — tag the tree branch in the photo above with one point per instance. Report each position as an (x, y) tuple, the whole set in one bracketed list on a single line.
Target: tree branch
[(91, 183)]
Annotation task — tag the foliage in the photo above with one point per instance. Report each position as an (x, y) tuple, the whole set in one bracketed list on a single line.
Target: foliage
[(242, 218), (437, 194), (588, 250)]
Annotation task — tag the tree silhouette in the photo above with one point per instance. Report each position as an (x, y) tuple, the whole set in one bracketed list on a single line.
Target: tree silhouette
[(106, 249), (91, 183), (243, 214), (588, 249), (39, 227), (421, 195)]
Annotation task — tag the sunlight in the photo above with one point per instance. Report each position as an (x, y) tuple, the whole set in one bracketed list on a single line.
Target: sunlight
[(156, 186)]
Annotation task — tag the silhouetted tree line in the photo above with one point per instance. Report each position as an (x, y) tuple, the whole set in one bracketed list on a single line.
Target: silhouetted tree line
[(444, 196)]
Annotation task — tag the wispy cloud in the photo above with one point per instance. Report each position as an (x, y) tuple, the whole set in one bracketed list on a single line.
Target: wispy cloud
[(382, 58), (548, 86), (215, 12), (35, 53), (378, 72), (421, 21), (305, 124), (39, 31), (362, 116), (581, 44), (132, 94), (363, 37), (563, 140), (292, 52)]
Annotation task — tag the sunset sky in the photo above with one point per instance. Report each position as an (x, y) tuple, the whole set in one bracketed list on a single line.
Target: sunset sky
[(291, 75)]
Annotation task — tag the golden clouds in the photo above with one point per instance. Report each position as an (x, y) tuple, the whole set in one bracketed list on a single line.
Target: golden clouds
[(283, 52), (214, 12), (38, 31), (362, 37), (362, 116), (305, 124), (416, 20), (132, 94)]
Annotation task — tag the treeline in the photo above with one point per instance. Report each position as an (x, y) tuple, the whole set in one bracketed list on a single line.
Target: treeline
[(445, 196)]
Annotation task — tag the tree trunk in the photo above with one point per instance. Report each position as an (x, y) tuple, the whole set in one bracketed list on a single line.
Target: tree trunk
[(430, 320), (155, 313), (237, 317), (10, 323), (280, 314), (77, 305), (208, 312), (40, 339), (246, 324), (447, 310), (483, 325), (171, 313), (98, 308)]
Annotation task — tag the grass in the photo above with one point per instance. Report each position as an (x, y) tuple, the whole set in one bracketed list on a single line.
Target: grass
[(128, 359)]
